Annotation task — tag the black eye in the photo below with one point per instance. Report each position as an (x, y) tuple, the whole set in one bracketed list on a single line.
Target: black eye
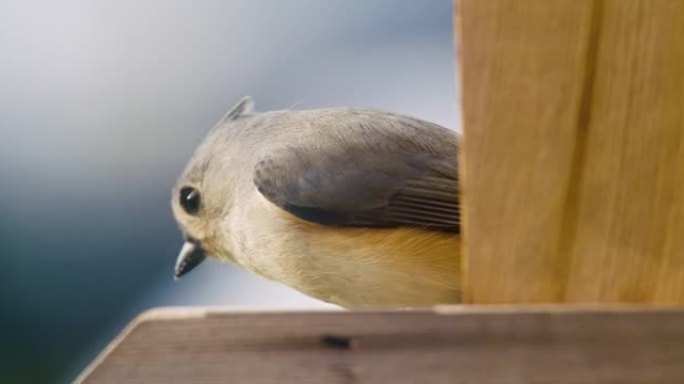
[(190, 200)]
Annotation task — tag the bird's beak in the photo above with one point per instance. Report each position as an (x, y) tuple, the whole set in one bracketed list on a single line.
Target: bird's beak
[(191, 255)]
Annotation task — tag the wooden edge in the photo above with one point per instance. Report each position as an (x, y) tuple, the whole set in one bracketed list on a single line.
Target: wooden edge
[(150, 315), (112, 346), (181, 313), (171, 313), (553, 309), (174, 313)]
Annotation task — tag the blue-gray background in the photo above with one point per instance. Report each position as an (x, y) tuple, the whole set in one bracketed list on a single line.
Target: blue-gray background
[(101, 104)]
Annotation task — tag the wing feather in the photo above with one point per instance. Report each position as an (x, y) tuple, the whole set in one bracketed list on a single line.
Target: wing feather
[(372, 185)]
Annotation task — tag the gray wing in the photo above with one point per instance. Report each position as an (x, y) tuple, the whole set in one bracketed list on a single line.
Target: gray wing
[(365, 183)]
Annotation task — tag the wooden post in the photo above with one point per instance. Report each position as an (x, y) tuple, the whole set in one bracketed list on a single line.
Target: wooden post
[(574, 150)]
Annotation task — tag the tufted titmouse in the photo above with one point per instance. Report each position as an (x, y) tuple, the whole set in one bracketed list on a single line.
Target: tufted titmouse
[(351, 206)]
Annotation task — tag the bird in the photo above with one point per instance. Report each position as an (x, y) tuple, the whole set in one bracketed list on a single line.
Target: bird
[(355, 207)]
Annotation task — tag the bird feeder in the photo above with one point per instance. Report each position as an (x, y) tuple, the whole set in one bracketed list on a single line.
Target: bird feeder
[(573, 194)]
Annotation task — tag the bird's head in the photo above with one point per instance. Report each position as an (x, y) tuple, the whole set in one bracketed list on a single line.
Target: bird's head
[(203, 196)]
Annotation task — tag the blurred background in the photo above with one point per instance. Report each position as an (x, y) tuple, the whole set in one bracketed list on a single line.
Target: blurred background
[(102, 103)]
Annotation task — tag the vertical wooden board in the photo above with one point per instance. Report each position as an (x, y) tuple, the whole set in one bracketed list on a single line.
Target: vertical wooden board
[(585, 204), (629, 244), (524, 74)]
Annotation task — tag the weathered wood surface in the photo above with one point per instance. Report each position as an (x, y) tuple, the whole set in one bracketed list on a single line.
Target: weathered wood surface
[(450, 345), (574, 150)]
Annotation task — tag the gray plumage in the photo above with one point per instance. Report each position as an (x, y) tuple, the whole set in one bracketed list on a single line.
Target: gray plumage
[(364, 179)]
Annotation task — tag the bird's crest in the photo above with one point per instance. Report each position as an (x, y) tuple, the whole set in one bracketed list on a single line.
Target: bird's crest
[(244, 106)]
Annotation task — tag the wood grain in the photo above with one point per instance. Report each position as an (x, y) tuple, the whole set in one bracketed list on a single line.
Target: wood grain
[(573, 150), (629, 214), (522, 64), (450, 345)]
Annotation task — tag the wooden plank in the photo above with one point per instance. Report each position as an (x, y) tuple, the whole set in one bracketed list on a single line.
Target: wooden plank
[(574, 152), (450, 345)]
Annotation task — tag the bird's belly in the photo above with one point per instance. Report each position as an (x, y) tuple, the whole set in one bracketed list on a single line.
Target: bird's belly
[(354, 267), (368, 267)]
